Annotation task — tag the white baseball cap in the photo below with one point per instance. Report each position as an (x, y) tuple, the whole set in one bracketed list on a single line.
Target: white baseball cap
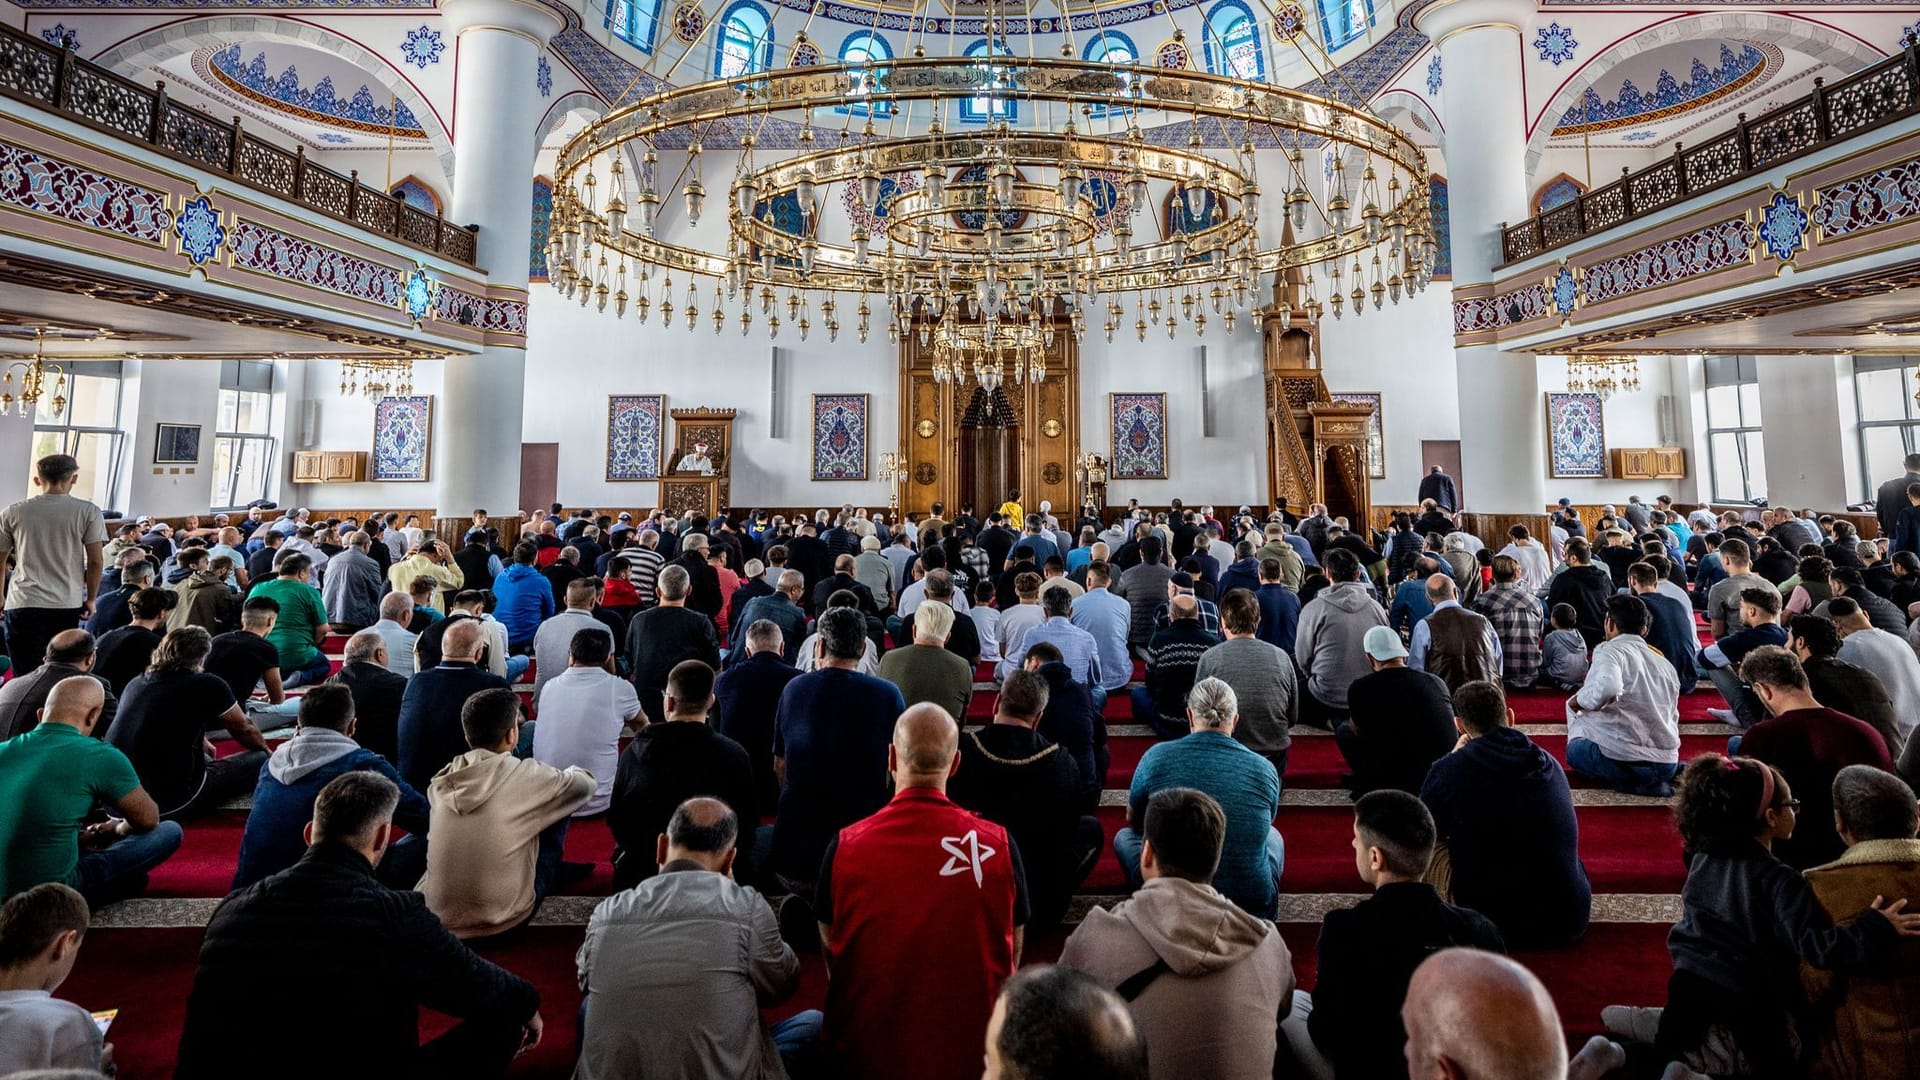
[(1383, 644)]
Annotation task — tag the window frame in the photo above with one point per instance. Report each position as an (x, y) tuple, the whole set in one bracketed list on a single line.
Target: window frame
[(1221, 37), (867, 105), (761, 47), (243, 377), (1354, 33), (1908, 425), (1744, 427), (624, 17), (999, 96), (70, 433)]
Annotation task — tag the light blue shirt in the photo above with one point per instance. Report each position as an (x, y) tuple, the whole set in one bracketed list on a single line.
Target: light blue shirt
[(1076, 647), (1423, 640), (1107, 618)]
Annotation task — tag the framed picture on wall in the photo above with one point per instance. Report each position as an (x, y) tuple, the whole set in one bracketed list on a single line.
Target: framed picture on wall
[(1376, 431), (634, 444), (839, 436), (1576, 437), (1138, 423), (176, 444), (402, 437)]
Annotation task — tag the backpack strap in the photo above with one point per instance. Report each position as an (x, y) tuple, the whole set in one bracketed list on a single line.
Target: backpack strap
[(1136, 984)]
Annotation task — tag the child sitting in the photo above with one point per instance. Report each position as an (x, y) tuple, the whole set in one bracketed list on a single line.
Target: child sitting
[(40, 932), (1563, 652), (1747, 921)]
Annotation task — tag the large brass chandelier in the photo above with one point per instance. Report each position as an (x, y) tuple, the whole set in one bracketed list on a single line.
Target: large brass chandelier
[(34, 377), (1118, 196), (375, 377)]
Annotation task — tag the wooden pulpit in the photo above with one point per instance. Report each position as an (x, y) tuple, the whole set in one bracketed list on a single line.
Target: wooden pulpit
[(692, 491)]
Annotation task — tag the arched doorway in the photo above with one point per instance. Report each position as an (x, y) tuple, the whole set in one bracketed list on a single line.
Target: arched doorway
[(989, 448)]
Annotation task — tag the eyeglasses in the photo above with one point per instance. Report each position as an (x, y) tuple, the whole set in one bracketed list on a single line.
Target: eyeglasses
[(1790, 804)]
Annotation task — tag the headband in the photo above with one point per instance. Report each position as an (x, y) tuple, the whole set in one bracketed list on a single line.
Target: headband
[(1766, 786)]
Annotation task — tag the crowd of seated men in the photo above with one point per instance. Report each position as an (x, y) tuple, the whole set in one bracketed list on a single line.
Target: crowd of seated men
[(770, 716)]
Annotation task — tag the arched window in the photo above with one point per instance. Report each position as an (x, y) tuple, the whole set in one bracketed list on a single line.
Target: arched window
[(865, 47), (1233, 42), (634, 21), (1343, 20), (992, 105), (1110, 47), (746, 41)]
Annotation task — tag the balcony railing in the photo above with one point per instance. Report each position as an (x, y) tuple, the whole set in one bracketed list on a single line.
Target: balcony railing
[(53, 78), (1867, 99)]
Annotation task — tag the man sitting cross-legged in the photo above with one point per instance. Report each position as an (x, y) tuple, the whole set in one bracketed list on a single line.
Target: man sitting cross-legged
[(691, 944), (1209, 1001), (1623, 725), (1368, 953), (326, 930), (322, 748), (499, 823)]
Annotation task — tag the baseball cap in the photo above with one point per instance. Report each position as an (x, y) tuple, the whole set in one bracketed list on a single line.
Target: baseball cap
[(624, 516), (1182, 580), (1382, 643)]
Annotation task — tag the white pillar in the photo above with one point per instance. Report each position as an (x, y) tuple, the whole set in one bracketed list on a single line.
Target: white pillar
[(1502, 448), (496, 111)]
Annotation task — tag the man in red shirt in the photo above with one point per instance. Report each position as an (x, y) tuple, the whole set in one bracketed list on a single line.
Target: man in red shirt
[(922, 910), (1809, 744)]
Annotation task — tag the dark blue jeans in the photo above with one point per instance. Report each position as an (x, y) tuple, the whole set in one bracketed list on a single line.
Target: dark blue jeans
[(1144, 712), (110, 872), (316, 671), (1628, 777)]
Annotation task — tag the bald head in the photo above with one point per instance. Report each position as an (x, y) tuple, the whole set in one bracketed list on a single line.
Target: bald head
[(1439, 588), (71, 647), (1473, 1015), (397, 607), (75, 701), (926, 747), (843, 565), (1183, 606), (462, 641)]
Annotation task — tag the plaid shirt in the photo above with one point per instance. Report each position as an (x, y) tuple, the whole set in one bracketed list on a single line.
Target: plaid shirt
[(1515, 614)]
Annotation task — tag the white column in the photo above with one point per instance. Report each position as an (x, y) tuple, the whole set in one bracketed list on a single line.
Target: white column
[(496, 111), (1502, 438)]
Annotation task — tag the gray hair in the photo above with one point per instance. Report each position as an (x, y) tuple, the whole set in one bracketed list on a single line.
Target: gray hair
[(139, 573), (693, 542), (674, 583), (364, 646), (1213, 704), (843, 632), (765, 636), (1873, 804), (792, 579)]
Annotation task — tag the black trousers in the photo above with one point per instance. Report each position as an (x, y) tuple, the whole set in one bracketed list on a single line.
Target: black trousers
[(30, 629), (226, 779), (1758, 1023), (1051, 888)]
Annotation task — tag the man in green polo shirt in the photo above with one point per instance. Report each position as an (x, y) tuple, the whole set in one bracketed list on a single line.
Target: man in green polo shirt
[(51, 779), (302, 624)]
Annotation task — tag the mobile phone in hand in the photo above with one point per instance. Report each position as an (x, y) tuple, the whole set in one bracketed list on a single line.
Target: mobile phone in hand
[(104, 1020)]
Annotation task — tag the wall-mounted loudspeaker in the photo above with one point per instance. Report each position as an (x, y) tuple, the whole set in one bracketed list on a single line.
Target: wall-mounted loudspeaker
[(309, 424)]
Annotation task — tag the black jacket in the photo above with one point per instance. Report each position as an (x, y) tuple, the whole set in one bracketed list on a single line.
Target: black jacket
[(746, 697), (665, 765), (737, 603), (1402, 723), (831, 584), (1004, 596), (809, 555), (1890, 500), (429, 725), (657, 639), (1585, 589), (1071, 722), (1439, 487), (325, 930), (472, 561), (705, 597), (377, 694), (1367, 956)]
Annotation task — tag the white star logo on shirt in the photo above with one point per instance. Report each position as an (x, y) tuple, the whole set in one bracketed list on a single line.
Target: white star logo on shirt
[(965, 853)]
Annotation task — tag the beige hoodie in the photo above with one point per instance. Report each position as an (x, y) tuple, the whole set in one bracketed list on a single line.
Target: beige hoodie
[(488, 812), (1214, 1013)]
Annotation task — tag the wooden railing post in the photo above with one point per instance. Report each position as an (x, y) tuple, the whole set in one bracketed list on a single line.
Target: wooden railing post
[(60, 77), (233, 149), (353, 195), (159, 125), (300, 173), (1822, 127)]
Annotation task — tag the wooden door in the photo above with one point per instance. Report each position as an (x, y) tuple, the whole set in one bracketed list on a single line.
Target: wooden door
[(539, 474), (1446, 454)]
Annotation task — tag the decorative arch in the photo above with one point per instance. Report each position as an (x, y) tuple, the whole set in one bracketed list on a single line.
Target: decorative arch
[(418, 194), (1418, 110), (1558, 191), (1232, 46), (159, 44), (1771, 26), (744, 40)]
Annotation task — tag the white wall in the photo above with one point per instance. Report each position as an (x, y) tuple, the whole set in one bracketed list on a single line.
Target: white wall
[(168, 392), (1405, 354), (346, 423), (1807, 450)]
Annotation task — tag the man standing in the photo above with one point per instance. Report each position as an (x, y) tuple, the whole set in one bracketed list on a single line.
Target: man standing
[(1144, 588), (691, 944), (1438, 486), (58, 544), (1209, 1003), (924, 670), (553, 642), (353, 586), (1108, 619), (919, 862), (669, 763), (1891, 498), (327, 928), (746, 699), (1623, 725)]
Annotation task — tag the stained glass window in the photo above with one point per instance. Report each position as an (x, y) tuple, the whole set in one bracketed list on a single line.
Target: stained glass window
[(1233, 42), (746, 41)]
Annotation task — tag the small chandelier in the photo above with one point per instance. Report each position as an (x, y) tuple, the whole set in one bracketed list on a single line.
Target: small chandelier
[(375, 377), (33, 375), (1603, 376), (987, 350)]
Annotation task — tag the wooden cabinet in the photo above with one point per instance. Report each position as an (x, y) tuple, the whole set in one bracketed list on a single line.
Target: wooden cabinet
[(1649, 463), (329, 466)]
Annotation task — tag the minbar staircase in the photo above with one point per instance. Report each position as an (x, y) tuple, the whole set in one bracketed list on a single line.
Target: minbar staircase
[(1316, 447)]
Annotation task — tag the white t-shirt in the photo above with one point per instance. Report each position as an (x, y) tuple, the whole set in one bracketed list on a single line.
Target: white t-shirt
[(48, 536), (44, 1032), (1535, 569), (582, 711)]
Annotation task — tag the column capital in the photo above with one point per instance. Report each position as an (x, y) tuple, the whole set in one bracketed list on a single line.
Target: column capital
[(1443, 19), (529, 19)]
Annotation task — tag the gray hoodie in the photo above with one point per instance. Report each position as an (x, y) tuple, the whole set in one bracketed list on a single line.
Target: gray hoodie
[(1228, 979), (1327, 644), (313, 749)]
